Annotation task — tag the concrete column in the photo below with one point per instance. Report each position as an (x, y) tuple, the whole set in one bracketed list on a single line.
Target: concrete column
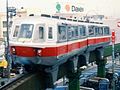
[(74, 83), (101, 62), (101, 68)]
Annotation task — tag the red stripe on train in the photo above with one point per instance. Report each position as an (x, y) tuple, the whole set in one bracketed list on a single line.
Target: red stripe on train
[(56, 51), (25, 51)]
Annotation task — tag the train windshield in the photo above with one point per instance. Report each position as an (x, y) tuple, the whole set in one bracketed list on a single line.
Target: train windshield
[(26, 31)]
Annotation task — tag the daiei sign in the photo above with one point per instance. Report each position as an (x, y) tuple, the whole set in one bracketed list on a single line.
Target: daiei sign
[(68, 8), (77, 9)]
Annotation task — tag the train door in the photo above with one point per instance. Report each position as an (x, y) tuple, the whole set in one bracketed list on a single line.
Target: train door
[(99, 34), (39, 33), (106, 33), (82, 36), (61, 41), (91, 35), (14, 32), (51, 34), (73, 39)]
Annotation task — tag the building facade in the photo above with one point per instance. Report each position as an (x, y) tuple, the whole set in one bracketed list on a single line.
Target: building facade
[(3, 21), (3, 25)]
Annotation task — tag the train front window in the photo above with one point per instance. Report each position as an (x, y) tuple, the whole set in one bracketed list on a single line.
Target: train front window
[(26, 31), (16, 31)]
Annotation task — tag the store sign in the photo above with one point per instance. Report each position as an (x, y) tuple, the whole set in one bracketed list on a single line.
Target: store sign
[(68, 8), (77, 9)]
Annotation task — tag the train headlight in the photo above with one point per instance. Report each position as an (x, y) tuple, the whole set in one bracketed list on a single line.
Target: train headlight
[(13, 51), (39, 52)]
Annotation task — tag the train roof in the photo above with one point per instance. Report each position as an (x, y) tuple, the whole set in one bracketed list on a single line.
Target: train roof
[(52, 19)]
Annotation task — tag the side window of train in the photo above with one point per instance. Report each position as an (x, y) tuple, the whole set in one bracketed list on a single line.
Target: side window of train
[(106, 31), (82, 31), (62, 33), (16, 31), (101, 31), (91, 30), (70, 32), (76, 32), (96, 30), (50, 33), (73, 32), (41, 32)]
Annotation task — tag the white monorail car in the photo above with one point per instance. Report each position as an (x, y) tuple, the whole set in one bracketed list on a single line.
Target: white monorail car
[(49, 41)]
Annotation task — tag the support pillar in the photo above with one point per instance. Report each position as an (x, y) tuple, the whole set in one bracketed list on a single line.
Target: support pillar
[(74, 83), (101, 68), (73, 76), (48, 77), (101, 62)]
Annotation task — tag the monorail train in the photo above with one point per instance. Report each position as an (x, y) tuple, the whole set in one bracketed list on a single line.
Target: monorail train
[(40, 40)]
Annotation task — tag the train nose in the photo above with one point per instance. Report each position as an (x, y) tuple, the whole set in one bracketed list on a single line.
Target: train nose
[(23, 51)]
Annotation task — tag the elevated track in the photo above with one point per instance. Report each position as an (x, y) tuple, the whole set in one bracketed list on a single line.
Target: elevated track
[(23, 82)]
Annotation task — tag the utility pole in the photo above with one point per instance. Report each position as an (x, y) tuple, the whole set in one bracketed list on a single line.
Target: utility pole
[(7, 42), (113, 58), (7, 26)]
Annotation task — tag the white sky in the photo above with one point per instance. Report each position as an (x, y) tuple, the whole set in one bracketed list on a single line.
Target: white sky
[(106, 7)]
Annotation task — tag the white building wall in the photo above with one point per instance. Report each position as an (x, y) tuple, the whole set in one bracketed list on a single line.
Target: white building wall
[(20, 13), (113, 26), (2, 18)]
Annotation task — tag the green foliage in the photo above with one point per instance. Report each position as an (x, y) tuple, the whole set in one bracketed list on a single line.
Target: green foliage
[(108, 50)]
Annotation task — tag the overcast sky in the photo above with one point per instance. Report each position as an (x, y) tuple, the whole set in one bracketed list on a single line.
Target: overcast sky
[(106, 7)]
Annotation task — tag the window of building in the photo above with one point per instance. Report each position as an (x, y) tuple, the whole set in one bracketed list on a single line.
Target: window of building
[(4, 24), (4, 34), (50, 33)]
